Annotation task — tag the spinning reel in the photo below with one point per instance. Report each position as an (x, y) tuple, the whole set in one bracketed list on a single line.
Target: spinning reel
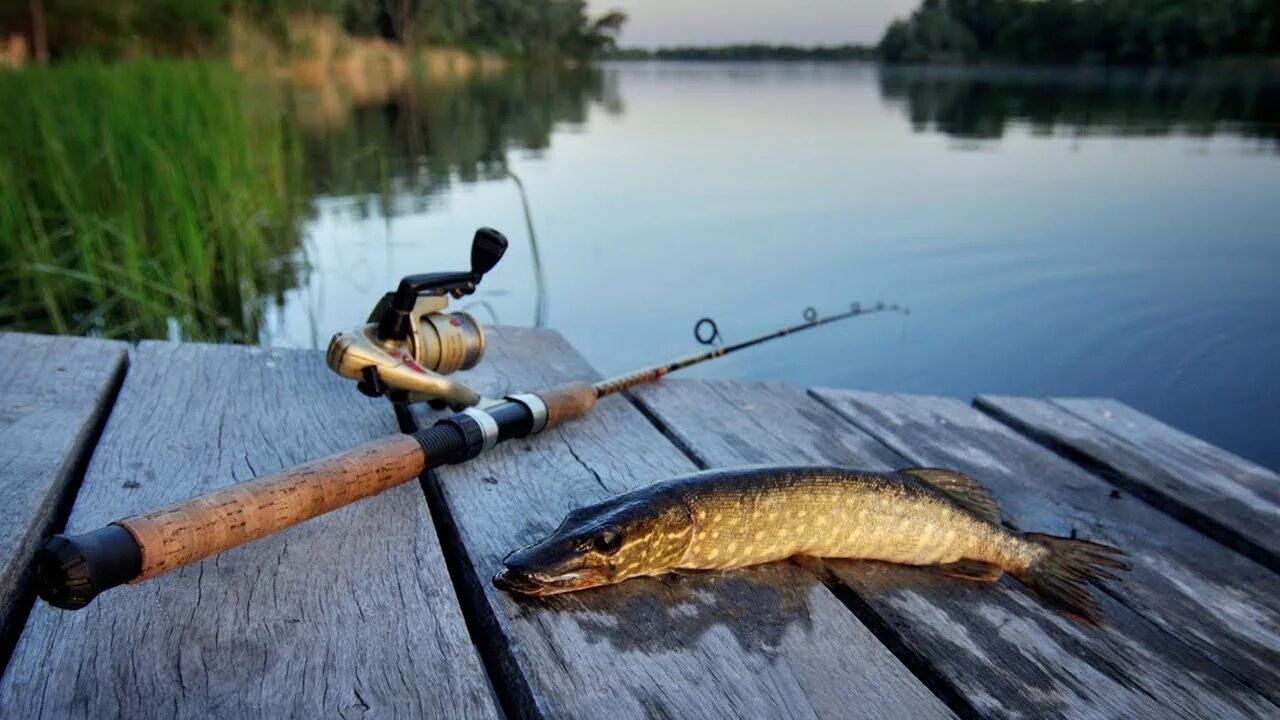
[(409, 344)]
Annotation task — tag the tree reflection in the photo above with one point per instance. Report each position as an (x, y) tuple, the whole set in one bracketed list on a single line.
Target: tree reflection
[(981, 103), (405, 148)]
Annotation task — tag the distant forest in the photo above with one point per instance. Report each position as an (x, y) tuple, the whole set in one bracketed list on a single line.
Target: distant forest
[(1120, 32), (122, 28), (1048, 32)]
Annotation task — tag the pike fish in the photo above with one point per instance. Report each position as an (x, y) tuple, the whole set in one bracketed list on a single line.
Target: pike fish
[(724, 519)]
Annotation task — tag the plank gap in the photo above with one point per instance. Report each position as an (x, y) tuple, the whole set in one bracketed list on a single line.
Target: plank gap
[(1156, 499), (1218, 532), (768, 642), (918, 664), (323, 619), (1137, 610), (1242, 678), (16, 622), (667, 433), (507, 683)]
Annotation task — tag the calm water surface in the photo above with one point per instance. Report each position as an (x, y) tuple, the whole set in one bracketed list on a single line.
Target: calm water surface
[(1096, 235)]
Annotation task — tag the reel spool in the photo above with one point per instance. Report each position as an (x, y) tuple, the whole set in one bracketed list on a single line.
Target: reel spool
[(409, 343)]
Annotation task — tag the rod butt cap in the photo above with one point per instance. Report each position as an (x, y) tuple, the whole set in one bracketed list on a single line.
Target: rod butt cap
[(71, 570)]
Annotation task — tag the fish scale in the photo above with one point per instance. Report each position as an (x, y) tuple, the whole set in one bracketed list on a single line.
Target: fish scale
[(846, 514)]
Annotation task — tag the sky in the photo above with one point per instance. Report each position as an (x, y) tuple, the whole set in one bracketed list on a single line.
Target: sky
[(716, 22)]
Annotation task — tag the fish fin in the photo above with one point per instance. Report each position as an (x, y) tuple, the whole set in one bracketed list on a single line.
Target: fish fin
[(969, 570), (964, 490), (1059, 577)]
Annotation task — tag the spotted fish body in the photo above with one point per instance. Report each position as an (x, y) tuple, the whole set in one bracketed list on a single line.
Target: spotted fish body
[(723, 519), (753, 516)]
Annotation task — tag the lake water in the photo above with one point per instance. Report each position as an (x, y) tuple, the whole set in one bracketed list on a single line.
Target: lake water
[(1096, 234)]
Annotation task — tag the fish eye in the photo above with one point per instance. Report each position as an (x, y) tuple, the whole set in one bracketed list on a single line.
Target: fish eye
[(608, 541)]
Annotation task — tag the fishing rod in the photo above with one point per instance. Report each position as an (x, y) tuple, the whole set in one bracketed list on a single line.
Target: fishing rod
[(405, 348), (712, 334)]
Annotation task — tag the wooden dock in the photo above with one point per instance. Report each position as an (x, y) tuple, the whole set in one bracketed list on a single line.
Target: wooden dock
[(385, 608)]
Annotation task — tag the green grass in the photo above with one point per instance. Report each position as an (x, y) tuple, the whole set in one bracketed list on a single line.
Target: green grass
[(149, 199)]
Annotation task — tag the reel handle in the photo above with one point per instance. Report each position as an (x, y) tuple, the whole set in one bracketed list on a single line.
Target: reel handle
[(487, 248)]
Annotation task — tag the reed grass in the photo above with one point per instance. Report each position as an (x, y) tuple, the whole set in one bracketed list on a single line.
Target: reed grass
[(150, 199)]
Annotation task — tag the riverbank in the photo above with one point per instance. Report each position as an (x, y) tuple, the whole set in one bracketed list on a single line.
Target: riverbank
[(318, 53), (145, 199), (105, 228), (170, 198)]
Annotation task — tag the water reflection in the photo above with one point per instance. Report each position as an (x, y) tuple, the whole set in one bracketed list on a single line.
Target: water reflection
[(1059, 266), (391, 155), (982, 103)]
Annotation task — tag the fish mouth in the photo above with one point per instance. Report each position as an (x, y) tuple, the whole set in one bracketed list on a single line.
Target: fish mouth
[(538, 584)]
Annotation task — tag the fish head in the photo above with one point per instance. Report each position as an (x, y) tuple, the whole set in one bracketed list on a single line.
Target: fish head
[(602, 544)]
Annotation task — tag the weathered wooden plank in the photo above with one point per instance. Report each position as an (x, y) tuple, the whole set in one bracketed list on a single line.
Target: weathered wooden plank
[(769, 643), (1227, 497), (347, 614), (54, 394), (994, 647), (1214, 600)]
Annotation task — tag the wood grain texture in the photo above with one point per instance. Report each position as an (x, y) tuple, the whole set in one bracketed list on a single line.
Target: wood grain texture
[(1233, 500), (54, 394), (349, 614), (1211, 599), (993, 646), (772, 642)]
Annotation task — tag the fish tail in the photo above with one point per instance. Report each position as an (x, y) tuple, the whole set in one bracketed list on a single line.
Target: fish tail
[(1060, 576)]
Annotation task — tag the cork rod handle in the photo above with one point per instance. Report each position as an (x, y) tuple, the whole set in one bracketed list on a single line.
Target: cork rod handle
[(72, 570), (194, 529), (568, 402)]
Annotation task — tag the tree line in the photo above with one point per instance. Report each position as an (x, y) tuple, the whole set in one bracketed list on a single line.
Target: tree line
[(1049, 32), (1122, 32), (114, 28)]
